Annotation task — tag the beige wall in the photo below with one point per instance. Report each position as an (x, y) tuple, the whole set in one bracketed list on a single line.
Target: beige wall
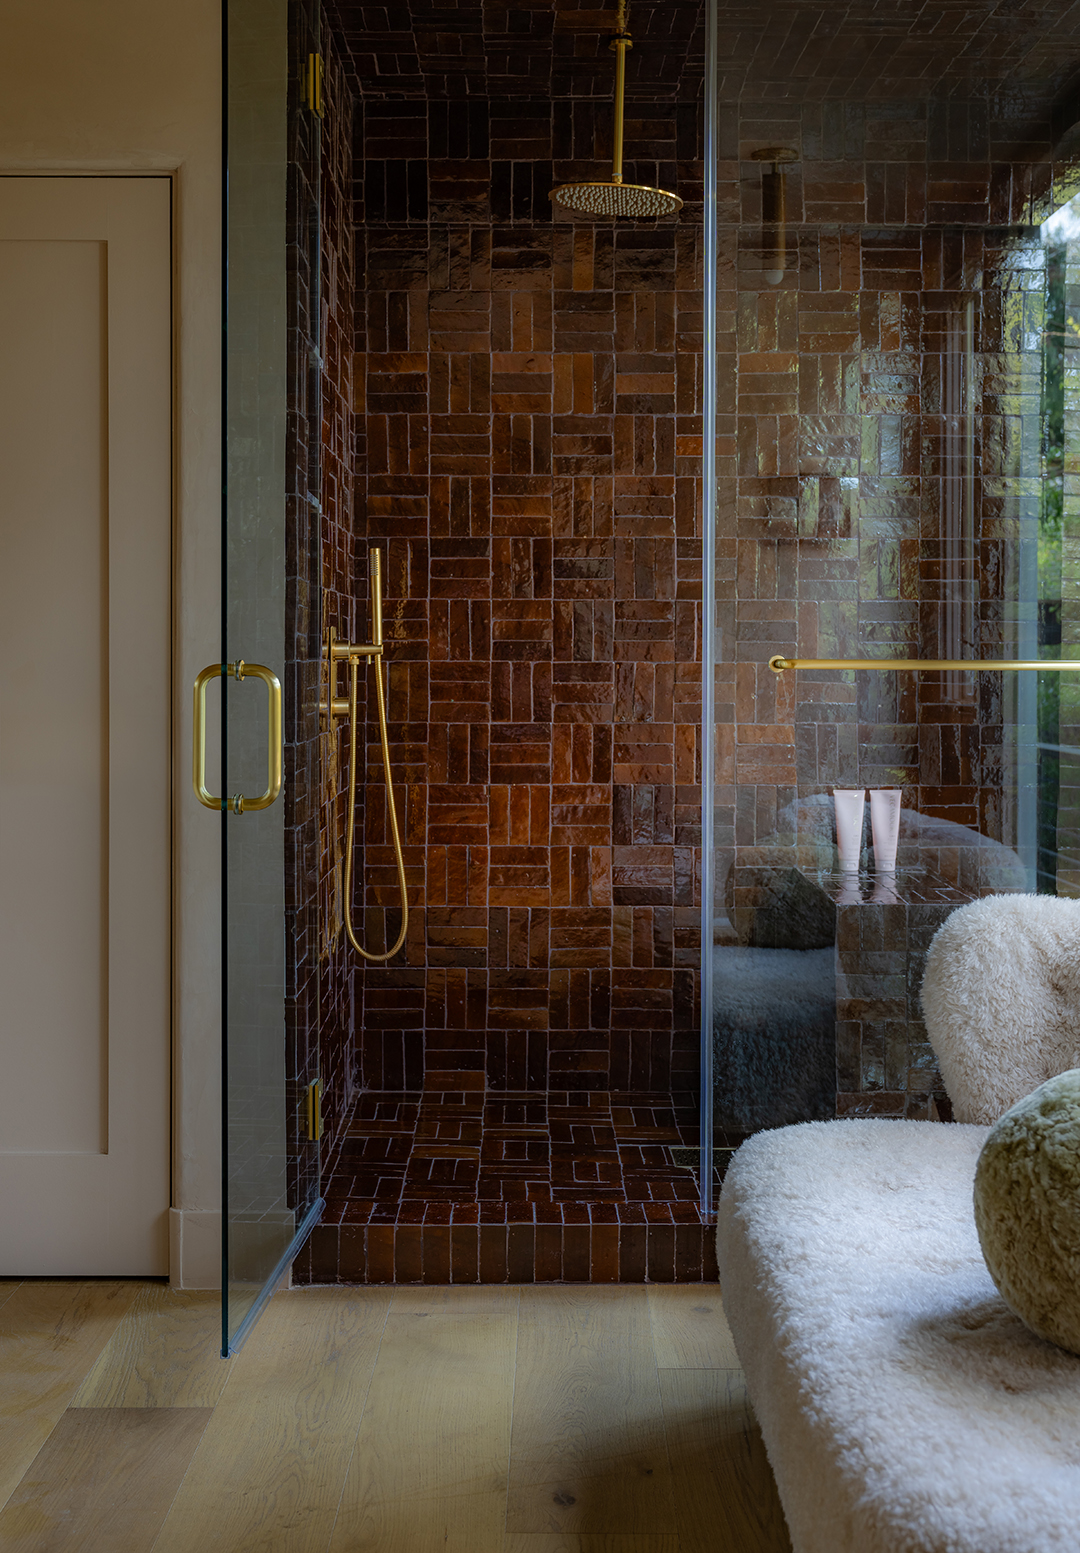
[(129, 86)]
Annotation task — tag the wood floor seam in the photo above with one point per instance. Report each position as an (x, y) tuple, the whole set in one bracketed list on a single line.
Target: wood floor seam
[(537, 1418), (113, 1472), (356, 1436), (51, 1334)]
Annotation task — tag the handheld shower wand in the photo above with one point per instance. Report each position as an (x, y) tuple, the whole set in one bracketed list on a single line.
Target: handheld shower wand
[(338, 706)]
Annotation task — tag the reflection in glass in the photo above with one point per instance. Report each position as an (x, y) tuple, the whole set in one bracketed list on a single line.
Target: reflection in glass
[(895, 454)]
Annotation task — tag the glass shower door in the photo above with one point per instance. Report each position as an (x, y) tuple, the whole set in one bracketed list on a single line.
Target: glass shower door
[(270, 1194)]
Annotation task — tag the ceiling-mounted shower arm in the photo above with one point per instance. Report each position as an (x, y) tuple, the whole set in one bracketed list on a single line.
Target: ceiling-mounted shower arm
[(620, 42), (611, 196)]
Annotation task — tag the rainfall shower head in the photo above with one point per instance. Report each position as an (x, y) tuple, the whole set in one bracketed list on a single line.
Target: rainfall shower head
[(616, 199), (612, 197)]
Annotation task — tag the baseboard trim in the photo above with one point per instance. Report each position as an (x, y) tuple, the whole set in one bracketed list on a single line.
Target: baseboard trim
[(195, 1248)]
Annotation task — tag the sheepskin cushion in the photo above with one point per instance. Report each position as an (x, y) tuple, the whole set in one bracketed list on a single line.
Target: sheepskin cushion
[(1027, 1208), (1001, 996), (904, 1407)]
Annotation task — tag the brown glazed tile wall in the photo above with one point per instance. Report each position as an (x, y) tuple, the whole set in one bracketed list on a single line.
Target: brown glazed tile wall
[(527, 390), (541, 551), (321, 1016), (301, 754), (339, 992), (526, 445)]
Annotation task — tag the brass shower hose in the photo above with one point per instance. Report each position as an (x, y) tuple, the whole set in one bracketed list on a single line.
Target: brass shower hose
[(373, 650)]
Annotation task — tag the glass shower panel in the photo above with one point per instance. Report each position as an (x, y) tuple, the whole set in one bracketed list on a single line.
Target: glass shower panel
[(896, 305), (709, 650), (270, 1198), (1058, 705)]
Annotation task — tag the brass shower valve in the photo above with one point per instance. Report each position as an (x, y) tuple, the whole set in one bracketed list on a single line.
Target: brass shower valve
[(335, 652)]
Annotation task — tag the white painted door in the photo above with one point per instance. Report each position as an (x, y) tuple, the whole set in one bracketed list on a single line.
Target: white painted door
[(85, 547)]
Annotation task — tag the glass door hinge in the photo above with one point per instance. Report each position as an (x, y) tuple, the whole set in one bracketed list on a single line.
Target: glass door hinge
[(313, 84), (313, 1111)]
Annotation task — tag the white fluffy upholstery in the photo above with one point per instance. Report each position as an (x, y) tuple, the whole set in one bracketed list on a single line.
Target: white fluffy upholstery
[(1027, 1208), (904, 1407), (1001, 996)]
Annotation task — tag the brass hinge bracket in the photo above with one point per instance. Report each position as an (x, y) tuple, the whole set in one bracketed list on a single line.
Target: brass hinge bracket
[(313, 1111), (313, 84)]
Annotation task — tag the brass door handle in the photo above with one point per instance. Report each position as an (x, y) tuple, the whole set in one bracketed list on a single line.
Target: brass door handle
[(239, 671)]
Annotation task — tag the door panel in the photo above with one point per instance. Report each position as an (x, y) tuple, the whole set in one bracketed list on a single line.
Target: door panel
[(85, 541)]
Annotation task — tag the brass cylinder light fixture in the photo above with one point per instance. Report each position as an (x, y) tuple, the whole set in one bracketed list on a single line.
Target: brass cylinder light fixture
[(774, 211)]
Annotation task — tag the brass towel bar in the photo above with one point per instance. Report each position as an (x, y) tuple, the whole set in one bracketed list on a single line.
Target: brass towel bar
[(778, 663)]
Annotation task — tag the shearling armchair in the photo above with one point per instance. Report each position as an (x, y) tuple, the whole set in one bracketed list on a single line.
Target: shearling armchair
[(903, 1406)]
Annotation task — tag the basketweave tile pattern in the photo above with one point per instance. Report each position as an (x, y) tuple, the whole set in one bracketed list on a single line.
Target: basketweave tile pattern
[(527, 442), (477, 1154), (471, 1186), (529, 400)]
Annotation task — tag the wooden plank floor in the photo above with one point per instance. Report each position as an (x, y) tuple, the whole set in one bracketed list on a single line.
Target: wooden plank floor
[(560, 1418)]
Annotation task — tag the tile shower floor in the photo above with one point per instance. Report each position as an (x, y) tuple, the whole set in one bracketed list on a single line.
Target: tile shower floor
[(467, 1186)]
